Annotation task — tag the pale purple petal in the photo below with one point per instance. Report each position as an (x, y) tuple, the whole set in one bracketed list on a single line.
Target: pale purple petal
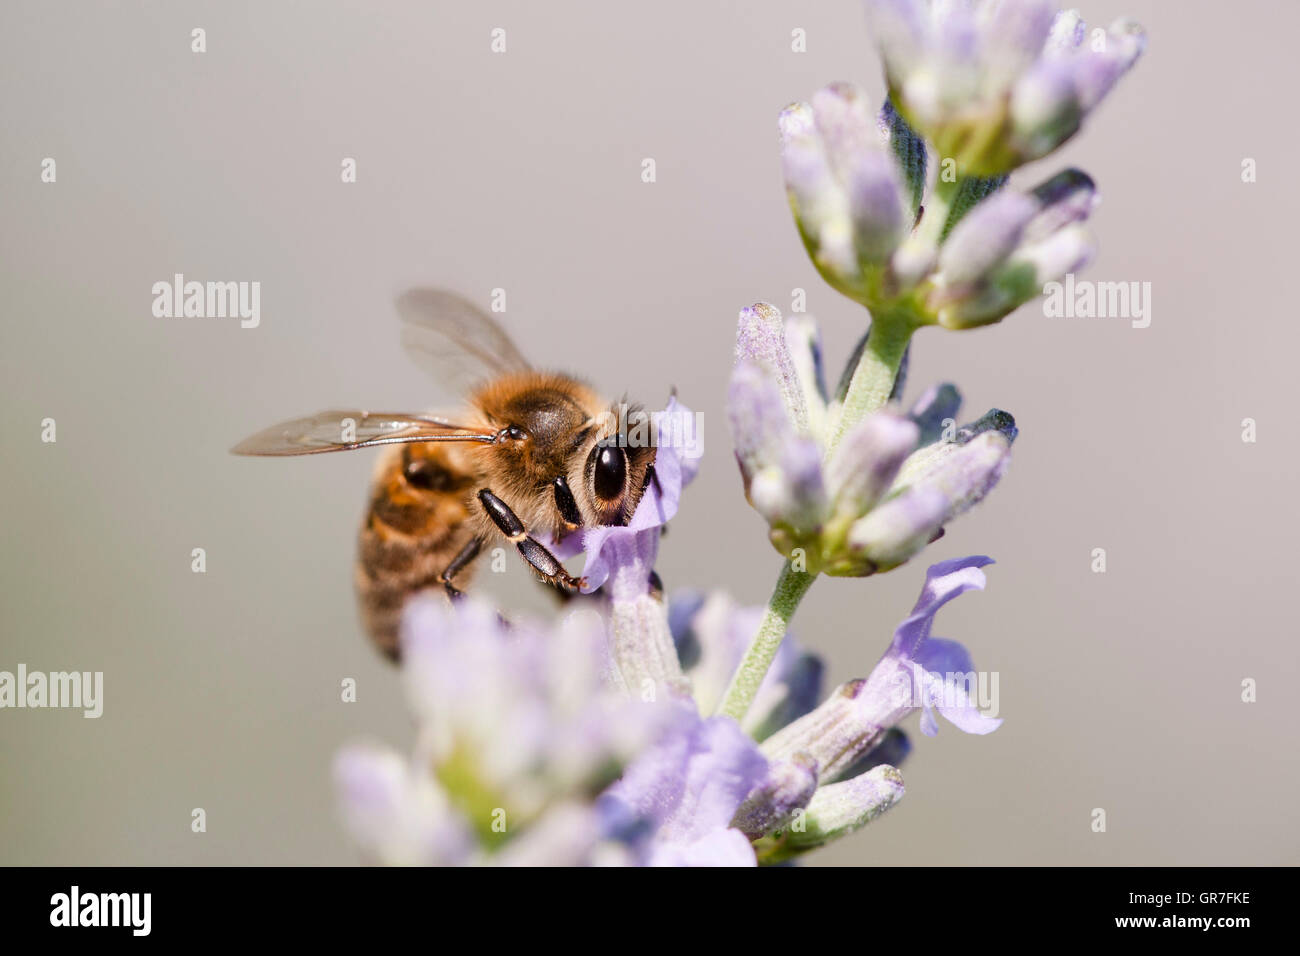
[(716, 848), (846, 123), (877, 204), (985, 236), (943, 582), (816, 194), (1044, 106), (781, 468), (949, 671), (395, 814), (621, 557), (804, 340), (1096, 72), (692, 782), (867, 460), (760, 424), (1013, 38), (963, 470), (680, 445), (899, 29), (900, 526)]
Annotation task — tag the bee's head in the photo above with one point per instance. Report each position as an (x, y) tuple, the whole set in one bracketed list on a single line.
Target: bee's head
[(614, 475)]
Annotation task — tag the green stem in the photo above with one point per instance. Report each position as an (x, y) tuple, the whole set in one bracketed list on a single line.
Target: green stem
[(869, 389), (874, 377), (791, 586)]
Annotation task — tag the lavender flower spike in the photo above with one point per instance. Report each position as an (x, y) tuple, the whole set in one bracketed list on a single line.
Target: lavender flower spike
[(874, 499), (974, 254), (997, 83)]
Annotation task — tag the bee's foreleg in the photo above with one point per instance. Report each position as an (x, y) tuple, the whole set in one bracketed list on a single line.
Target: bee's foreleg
[(458, 564), (565, 504), (539, 558)]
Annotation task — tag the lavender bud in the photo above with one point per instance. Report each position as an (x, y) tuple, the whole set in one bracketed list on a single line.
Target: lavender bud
[(867, 460), (761, 340), (838, 809)]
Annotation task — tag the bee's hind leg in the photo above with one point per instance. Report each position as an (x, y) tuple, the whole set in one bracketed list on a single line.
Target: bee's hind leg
[(546, 565), (458, 564)]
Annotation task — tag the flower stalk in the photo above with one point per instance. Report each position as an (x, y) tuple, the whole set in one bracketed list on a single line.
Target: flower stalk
[(873, 379), (790, 588)]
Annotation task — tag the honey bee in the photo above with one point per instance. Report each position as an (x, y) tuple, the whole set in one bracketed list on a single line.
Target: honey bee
[(532, 454)]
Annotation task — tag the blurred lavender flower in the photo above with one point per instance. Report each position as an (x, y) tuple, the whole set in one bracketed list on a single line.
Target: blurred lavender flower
[(517, 735), (855, 181), (997, 83), (879, 496), (688, 788)]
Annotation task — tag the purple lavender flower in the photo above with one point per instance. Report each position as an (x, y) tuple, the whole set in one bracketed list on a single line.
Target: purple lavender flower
[(916, 672), (518, 733), (997, 83), (688, 787), (975, 254), (876, 498)]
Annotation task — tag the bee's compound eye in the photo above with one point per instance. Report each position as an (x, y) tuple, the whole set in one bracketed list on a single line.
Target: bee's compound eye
[(610, 472)]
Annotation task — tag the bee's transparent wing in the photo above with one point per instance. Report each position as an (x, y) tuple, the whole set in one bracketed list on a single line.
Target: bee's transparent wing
[(343, 430), (454, 339)]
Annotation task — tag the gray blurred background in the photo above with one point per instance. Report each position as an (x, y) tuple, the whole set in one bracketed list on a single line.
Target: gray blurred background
[(522, 171)]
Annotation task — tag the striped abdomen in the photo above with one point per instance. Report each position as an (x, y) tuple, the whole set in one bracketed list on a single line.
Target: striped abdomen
[(414, 527)]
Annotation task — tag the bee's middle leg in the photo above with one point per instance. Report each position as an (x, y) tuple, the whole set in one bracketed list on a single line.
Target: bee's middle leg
[(538, 556), (457, 565)]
